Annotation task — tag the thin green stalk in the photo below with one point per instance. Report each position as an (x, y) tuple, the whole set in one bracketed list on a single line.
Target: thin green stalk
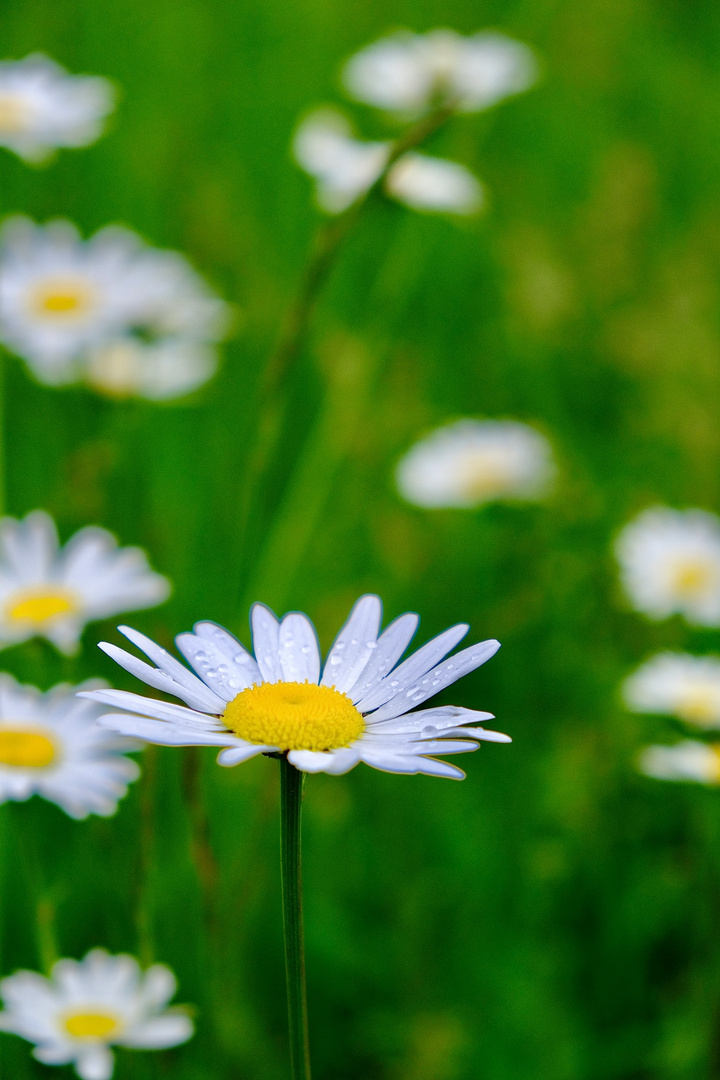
[(291, 790)]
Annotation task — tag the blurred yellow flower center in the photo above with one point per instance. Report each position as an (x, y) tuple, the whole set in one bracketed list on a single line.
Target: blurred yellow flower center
[(699, 707), (63, 299), (41, 607), (91, 1025), (25, 748), (692, 577), (294, 716), (481, 476), (13, 114)]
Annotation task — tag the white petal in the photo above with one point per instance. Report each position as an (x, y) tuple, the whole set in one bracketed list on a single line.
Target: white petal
[(161, 710), (173, 667), (265, 630), (95, 1063), (236, 755), (391, 644), (335, 762), (197, 698), (354, 645), (160, 1032), (298, 649), (213, 667), (413, 668), (231, 648), (410, 763), (438, 718), (162, 732)]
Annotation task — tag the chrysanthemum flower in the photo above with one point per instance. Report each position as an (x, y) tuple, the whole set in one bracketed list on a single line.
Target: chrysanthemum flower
[(471, 462), (52, 746), (278, 701), (687, 760), (670, 564), (345, 168), (46, 591), (677, 684), (42, 107), (68, 305), (407, 73), (89, 1005)]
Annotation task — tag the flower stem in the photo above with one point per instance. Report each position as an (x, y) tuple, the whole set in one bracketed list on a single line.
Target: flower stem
[(291, 789)]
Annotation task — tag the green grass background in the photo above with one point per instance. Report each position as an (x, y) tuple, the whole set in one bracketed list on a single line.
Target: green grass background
[(555, 916)]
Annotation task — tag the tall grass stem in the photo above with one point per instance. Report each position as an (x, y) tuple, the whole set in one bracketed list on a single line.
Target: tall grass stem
[(291, 792)]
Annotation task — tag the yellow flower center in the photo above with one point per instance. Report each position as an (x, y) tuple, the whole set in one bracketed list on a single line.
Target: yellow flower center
[(692, 577), (482, 477), (64, 298), (699, 707), (26, 748), (294, 716), (13, 114), (91, 1025), (40, 607)]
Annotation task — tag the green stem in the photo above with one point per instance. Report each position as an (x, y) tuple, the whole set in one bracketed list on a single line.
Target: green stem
[(291, 789)]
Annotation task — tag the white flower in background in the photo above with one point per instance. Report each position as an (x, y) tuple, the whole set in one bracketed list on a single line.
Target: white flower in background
[(46, 591), (677, 684), (66, 303), (51, 745), (160, 371), (42, 107), (670, 564), (86, 1006), (407, 73), (356, 710), (471, 462), (687, 760), (345, 168)]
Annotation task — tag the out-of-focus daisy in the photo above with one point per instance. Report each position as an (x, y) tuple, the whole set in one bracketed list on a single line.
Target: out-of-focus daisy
[(357, 709), (159, 371), (66, 304), (345, 168), (670, 564), (52, 746), (86, 1006), (471, 462), (677, 684), (687, 760), (42, 107), (46, 591), (406, 73)]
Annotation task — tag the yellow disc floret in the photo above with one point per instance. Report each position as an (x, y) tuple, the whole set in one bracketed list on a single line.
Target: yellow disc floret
[(40, 607), (294, 716), (25, 748), (91, 1025)]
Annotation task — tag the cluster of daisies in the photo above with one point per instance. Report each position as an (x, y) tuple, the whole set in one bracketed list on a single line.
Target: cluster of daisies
[(670, 565)]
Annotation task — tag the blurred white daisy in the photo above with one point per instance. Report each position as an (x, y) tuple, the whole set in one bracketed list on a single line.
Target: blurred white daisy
[(66, 304), (670, 564), (356, 710), (345, 168), (687, 760), (46, 591), (42, 107), (158, 371), (471, 462), (86, 1006), (677, 684), (52, 746), (406, 73)]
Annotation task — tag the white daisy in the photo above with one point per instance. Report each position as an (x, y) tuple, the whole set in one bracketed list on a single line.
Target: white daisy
[(356, 710), (65, 302), (46, 591), (42, 107), (687, 760), (407, 73), (51, 745), (677, 684), (471, 462), (345, 168), (670, 564), (88, 1005)]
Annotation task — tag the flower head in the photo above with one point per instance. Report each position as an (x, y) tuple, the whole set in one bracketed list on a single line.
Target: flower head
[(52, 746), (356, 709), (670, 564), (677, 684), (42, 107), (88, 1005), (687, 760), (70, 308), (345, 168), (471, 462), (406, 73), (46, 591)]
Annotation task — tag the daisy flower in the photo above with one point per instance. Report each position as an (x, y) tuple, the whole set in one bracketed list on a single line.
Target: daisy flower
[(677, 684), (670, 564), (66, 303), (278, 701), (345, 168), (42, 107), (86, 1006), (46, 591), (51, 745), (406, 73), (687, 760), (471, 462)]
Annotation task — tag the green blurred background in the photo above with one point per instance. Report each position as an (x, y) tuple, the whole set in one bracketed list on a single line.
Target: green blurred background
[(555, 916)]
